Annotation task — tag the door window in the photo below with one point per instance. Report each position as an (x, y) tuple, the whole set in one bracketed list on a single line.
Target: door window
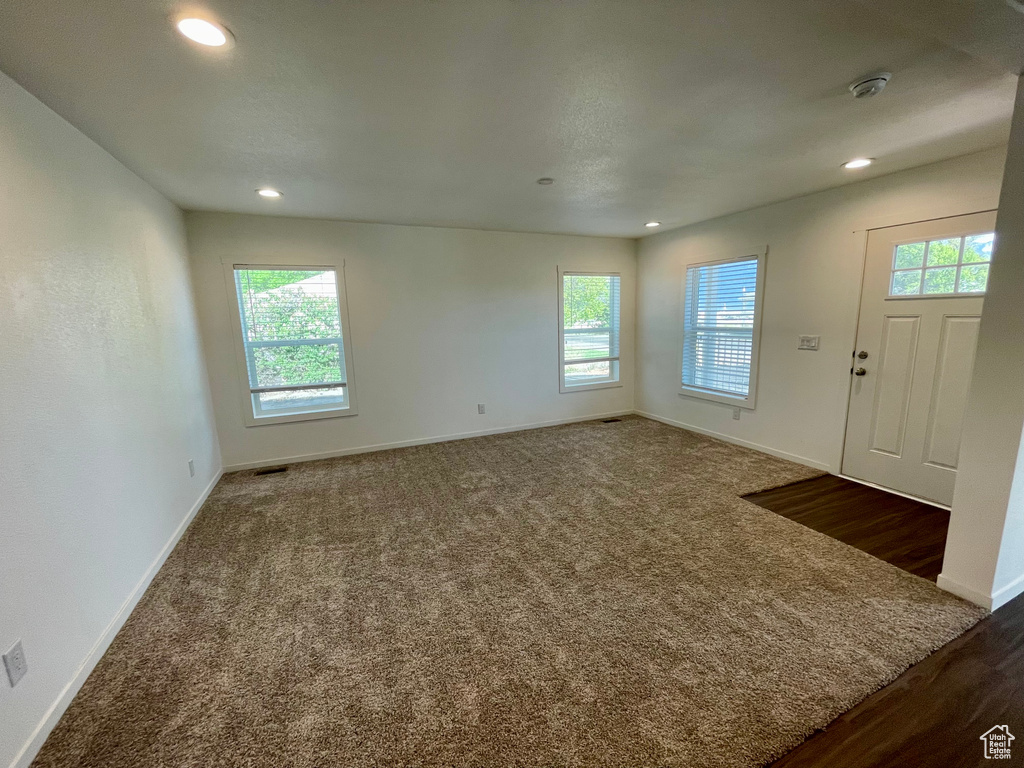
[(953, 266)]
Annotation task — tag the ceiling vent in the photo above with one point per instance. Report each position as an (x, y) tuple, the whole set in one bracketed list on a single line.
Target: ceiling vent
[(870, 85)]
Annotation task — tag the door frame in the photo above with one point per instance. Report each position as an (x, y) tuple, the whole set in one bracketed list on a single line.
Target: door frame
[(861, 238)]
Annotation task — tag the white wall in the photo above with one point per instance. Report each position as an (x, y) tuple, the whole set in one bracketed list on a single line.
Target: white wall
[(441, 319), (813, 280), (985, 548), (103, 399)]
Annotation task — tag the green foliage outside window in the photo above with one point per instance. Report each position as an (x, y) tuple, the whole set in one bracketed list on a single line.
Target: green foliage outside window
[(954, 266), (587, 301), (943, 252), (940, 280), (276, 309), (910, 255)]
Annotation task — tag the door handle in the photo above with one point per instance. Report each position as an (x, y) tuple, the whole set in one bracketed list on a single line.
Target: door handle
[(860, 372)]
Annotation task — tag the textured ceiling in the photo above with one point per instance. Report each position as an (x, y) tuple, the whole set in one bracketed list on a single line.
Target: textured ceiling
[(445, 112)]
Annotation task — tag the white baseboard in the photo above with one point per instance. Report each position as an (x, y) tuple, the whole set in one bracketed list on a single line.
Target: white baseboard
[(1003, 595), (736, 441), (35, 742), (997, 599), (419, 441), (967, 593)]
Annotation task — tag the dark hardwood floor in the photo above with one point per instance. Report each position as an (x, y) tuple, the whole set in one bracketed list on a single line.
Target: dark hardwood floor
[(901, 531), (934, 714)]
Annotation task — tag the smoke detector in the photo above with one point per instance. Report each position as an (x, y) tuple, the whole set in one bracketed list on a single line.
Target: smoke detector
[(870, 85)]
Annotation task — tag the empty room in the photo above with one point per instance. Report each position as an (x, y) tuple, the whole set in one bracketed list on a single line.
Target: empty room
[(511, 383)]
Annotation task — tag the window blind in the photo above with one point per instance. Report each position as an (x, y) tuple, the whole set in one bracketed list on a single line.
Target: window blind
[(291, 330), (590, 329), (718, 328)]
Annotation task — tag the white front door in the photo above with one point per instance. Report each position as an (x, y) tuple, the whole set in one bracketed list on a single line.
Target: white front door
[(919, 314)]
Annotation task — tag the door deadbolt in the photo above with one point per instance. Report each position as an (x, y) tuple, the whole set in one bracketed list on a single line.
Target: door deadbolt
[(862, 355)]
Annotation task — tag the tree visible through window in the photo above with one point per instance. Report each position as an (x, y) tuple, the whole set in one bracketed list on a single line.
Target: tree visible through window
[(952, 266), (294, 348), (590, 329)]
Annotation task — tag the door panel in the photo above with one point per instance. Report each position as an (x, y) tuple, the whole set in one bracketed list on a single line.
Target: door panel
[(949, 395), (892, 390), (916, 350)]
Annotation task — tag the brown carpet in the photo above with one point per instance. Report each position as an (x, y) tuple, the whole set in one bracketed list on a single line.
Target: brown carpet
[(587, 595)]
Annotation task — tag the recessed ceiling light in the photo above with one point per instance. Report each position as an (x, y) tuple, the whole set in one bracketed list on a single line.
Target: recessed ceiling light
[(204, 32), (860, 162), (653, 224), (268, 192), (547, 181)]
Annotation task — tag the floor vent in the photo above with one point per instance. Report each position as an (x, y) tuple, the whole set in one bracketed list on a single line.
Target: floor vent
[(270, 470), (609, 421)]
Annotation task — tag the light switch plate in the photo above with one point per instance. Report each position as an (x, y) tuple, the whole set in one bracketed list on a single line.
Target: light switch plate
[(14, 661), (809, 342)]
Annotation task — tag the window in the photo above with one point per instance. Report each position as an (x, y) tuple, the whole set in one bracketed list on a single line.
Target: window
[(955, 266), (588, 330), (721, 329), (297, 360)]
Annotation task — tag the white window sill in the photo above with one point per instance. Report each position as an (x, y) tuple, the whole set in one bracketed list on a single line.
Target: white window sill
[(736, 401), (284, 418), (567, 388)]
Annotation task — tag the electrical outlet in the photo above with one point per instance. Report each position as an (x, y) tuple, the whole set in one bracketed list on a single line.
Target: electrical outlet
[(736, 414), (14, 661), (191, 468), (480, 408), (809, 342)]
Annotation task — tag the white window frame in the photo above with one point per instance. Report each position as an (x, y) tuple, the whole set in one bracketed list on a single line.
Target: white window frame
[(737, 401), (960, 264), (562, 386), (332, 412)]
